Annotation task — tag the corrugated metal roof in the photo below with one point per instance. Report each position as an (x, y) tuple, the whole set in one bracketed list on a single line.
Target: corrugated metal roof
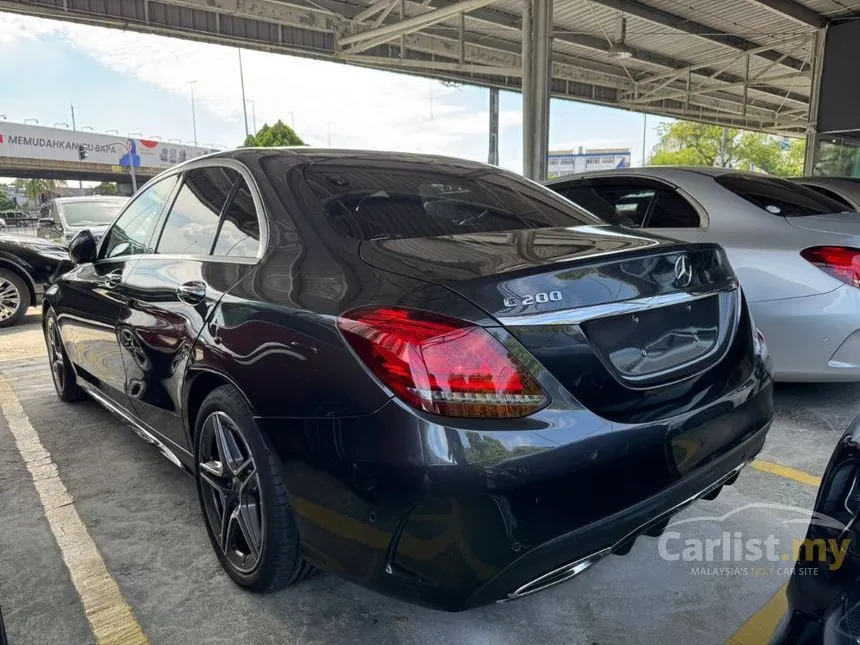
[(664, 37)]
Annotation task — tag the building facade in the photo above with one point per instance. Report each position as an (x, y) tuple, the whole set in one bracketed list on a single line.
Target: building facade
[(568, 162)]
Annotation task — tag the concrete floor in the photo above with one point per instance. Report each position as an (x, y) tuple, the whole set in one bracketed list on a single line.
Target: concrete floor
[(143, 515)]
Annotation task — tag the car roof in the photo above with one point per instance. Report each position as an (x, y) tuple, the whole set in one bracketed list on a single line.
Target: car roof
[(310, 154)]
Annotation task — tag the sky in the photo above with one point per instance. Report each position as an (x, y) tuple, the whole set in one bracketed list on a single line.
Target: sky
[(139, 85)]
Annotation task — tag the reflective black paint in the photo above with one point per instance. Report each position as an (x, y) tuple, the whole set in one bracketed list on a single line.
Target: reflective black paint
[(36, 261), (824, 602), (450, 513)]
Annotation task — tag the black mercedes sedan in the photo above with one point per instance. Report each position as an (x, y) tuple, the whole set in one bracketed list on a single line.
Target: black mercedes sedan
[(27, 264), (427, 375)]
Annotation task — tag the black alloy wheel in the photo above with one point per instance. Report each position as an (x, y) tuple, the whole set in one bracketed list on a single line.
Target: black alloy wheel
[(14, 298), (242, 494), (65, 381), (231, 492)]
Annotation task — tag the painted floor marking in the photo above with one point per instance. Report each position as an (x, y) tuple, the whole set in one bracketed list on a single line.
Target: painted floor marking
[(111, 618)]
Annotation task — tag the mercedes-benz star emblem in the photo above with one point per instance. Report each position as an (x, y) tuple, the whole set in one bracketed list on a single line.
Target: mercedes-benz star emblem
[(683, 272)]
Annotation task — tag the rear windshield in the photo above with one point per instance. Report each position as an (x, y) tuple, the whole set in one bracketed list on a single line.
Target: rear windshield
[(780, 197), (371, 200)]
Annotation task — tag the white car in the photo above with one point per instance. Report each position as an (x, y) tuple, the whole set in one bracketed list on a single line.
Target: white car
[(795, 251)]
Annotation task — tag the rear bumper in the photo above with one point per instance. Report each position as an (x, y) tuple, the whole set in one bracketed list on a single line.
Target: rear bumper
[(814, 338), (457, 517)]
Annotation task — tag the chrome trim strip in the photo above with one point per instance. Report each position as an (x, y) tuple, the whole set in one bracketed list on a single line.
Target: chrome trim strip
[(566, 572), (573, 569), (577, 316), (135, 425)]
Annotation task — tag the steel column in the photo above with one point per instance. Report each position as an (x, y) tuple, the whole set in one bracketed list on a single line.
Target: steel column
[(542, 26), (528, 90), (493, 157), (814, 98), (537, 65)]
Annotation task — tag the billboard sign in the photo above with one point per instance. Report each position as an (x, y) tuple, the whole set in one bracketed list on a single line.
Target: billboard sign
[(56, 144)]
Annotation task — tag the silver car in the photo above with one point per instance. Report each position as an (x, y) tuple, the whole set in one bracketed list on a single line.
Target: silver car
[(845, 190), (796, 252), (68, 215)]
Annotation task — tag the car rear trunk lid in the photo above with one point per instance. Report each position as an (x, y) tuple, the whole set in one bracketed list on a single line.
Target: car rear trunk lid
[(623, 321)]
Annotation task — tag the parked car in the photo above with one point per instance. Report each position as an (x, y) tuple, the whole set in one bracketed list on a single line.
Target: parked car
[(845, 190), (796, 253), (68, 215), (823, 594), (428, 375), (26, 265)]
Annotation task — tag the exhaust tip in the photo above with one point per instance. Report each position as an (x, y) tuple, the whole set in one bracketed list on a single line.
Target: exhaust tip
[(557, 576)]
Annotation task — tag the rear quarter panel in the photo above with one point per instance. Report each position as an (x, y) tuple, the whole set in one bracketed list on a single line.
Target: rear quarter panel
[(764, 249)]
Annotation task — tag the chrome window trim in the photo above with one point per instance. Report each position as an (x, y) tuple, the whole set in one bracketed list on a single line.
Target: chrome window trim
[(256, 196), (131, 201)]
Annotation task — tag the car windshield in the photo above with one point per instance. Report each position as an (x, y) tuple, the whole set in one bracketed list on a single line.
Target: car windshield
[(371, 200), (91, 213), (780, 197)]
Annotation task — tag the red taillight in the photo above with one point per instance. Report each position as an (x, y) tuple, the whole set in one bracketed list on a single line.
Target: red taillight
[(842, 262), (440, 364)]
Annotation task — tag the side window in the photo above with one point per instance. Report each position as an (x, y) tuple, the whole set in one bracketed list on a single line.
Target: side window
[(831, 195), (240, 229), (129, 234), (193, 219), (630, 202), (585, 196), (672, 211), (55, 214)]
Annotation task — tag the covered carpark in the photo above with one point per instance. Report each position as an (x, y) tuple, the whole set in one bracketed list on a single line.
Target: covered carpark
[(757, 64), (754, 64)]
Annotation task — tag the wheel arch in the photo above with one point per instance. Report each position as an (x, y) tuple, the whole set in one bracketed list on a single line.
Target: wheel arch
[(18, 271), (200, 382)]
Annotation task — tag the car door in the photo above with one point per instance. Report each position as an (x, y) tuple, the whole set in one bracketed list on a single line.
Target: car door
[(94, 295), (638, 202), (209, 240)]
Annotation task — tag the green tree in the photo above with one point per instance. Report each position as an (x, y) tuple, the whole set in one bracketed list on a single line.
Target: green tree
[(106, 188), (280, 134), (36, 187), (6, 204), (685, 143)]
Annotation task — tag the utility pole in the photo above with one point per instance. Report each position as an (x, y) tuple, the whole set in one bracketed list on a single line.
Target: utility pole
[(74, 129), (723, 149), (493, 157), (242, 83), (193, 113)]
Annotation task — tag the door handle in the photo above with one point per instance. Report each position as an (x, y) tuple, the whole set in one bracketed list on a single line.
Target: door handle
[(191, 292), (113, 279)]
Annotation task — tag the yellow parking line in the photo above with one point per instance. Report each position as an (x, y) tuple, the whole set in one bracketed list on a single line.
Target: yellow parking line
[(761, 625), (785, 471), (111, 618)]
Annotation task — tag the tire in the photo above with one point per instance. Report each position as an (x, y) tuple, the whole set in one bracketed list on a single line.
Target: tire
[(62, 373), (14, 298), (258, 545)]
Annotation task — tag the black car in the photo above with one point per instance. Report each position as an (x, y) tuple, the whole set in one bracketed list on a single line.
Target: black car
[(27, 264), (427, 375), (823, 593)]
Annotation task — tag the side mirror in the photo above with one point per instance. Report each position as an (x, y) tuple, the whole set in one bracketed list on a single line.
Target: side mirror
[(83, 247), (46, 221)]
